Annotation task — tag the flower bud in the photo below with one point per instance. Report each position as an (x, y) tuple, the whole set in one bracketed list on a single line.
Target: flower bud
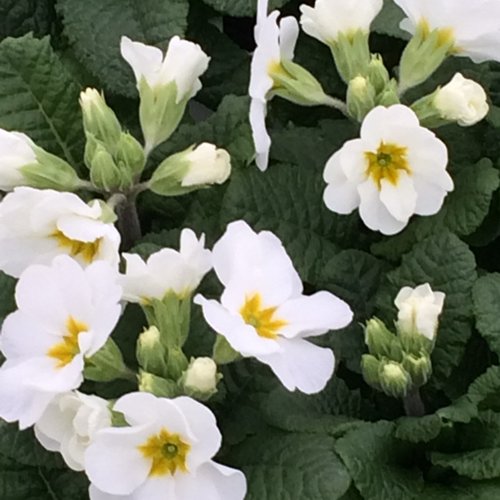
[(370, 368), (395, 381), (148, 382), (152, 354), (130, 155), (378, 338), (105, 173), (99, 119), (360, 97), (294, 83), (352, 55), (462, 100), (106, 364), (389, 95), (191, 169), (419, 368), (200, 379), (377, 73)]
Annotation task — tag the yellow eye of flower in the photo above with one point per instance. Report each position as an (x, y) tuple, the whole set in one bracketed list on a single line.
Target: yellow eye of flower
[(68, 348), (387, 163), (86, 250), (168, 453), (262, 319)]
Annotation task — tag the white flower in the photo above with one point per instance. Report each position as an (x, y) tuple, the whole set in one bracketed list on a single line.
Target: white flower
[(462, 100), (184, 63), (69, 424), (419, 309), (396, 169), (201, 375), (263, 313), (274, 44), (16, 152), (472, 26), (166, 271), (65, 314), (207, 165), (328, 18), (36, 225), (166, 453)]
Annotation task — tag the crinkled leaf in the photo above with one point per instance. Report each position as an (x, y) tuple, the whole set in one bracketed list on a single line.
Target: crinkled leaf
[(18, 17), (418, 430), (479, 464), (94, 29), (376, 462), (291, 466), (39, 97), (447, 264), (241, 8), (486, 298)]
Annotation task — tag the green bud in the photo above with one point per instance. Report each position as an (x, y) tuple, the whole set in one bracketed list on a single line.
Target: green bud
[(377, 73), (395, 381), (152, 354), (423, 55), (378, 338), (148, 382), (177, 363), (370, 368), (389, 95), (130, 155), (360, 97), (99, 119), (50, 172), (201, 378), (352, 54), (427, 113), (105, 174), (159, 113), (296, 84), (223, 353), (419, 368), (107, 364)]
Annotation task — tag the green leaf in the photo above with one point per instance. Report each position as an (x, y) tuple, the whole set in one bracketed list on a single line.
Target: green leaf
[(241, 8), (332, 411), (387, 22), (7, 302), (94, 29), (19, 17), (291, 466), (39, 97), (288, 201), (447, 264), (375, 460), (486, 299), (479, 464), (463, 211), (418, 430)]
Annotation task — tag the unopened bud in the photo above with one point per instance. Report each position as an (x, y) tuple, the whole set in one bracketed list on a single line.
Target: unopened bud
[(377, 73), (151, 353), (395, 381), (419, 368), (130, 155), (148, 382), (360, 97), (378, 338), (201, 378)]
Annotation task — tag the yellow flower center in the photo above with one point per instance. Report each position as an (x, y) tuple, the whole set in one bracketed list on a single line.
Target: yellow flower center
[(277, 72), (68, 348), (86, 250), (168, 453), (445, 36), (262, 319), (387, 163)]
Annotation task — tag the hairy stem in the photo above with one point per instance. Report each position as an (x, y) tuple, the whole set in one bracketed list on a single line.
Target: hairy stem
[(128, 222), (414, 406)]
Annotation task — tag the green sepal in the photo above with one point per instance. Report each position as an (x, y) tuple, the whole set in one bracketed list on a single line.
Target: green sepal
[(427, 112), (379, 338), (370, 367), (223, 353), (160, 387), (395, 381), (130, 155), (152, 353), (377, 73), (352, 54), (389, 95), (419, 368), (107, 364), (360, 97), (414, 342)]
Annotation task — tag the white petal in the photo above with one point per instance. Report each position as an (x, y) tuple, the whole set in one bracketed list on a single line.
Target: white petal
[(301, 365), (139, 408), (261, 139), (144, 60), (314, 315), (289, 32), (400, 199), (430, 197)]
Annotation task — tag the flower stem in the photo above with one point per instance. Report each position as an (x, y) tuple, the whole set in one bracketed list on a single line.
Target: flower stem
[(414, 406), (128, 222), (337, 104)]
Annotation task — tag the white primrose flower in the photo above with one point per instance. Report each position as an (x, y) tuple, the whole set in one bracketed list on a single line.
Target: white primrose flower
[(165, 84), (274, 44), (419, 309), (396, 169), (36, 225), (165, 453), (328, 18), (462, 100), (69, 424), (201, 375), (65, 314), (471, 27), (166, 271), (16, 152), (262, 312)]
